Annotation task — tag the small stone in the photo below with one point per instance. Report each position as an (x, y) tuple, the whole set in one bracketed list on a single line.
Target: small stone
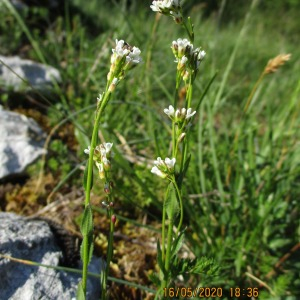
[(38, 75), (33, 240), (21, 143)]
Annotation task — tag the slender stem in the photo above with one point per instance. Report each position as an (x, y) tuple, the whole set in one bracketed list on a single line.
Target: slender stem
[(253, 91), (168, 253), (89, 185), (189, 30), (189, 93), (109, 253), (163, 227), (181, 206)]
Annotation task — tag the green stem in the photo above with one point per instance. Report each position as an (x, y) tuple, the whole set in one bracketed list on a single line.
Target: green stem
[(109, 253), (168, 252), (189, 93), (181, 206), (89, 185), (189, 29), (163, 227)]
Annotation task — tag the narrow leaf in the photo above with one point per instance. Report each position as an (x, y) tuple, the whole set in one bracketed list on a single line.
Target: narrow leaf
[(177, 244), (206, 90), (87, 221), (91, 248), (172, 207), (185, 168), (80, 293), (159, 257)]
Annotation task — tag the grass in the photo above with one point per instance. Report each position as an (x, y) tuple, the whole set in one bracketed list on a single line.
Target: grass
[(241, 195)]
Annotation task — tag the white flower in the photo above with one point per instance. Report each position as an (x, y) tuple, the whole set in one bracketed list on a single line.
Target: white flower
[(99, 166), (182, 63), (180, 114), (119, 52), (124, 57), (182, 47), (201, 55), (134, 56), (170, 162), (158, 172), (106, 163), (170, 111), (108, 147), (198, 56), (163, 168), (184, 114), (189, 113), (165, 6), (87, 151), (100, 169), (105, 150)]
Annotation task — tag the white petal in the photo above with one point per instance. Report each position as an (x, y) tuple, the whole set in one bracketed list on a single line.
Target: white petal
[(170, 162), (159, 161), (87, 151), (189, 113), (158, 172), (108, 147)]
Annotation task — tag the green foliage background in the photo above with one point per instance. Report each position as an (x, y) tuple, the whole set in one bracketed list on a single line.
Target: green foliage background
[(242, 198)]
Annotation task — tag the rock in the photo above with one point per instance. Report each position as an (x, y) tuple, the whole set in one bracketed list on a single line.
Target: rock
[(38, 75), (21, 143), (31, 239)]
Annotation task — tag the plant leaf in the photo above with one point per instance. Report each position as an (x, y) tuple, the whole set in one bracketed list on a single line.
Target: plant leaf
[(159, 258), (155, 279), (86, 227), (90, 248), (185, 168), (177, 244), (172, 207), (80, 293)]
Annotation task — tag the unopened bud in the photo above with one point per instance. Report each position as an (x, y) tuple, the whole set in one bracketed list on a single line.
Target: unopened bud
[(114, 219), (181, 137), (113, 85), (111, 204), (185, 76)]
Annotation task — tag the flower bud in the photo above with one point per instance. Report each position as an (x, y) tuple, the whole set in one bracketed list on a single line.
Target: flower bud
[(114, 219), (181, 137), (107, 189), (113, 85)]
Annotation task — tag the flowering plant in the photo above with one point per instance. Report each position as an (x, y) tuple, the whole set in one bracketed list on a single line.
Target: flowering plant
[(173, 170), (123, 59)]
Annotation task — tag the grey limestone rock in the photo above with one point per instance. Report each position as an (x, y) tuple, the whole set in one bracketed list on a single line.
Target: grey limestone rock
[(31, 239), (38, 75), (21, 142)]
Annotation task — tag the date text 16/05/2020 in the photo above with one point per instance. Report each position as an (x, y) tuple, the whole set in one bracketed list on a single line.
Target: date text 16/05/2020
[(210, 292)]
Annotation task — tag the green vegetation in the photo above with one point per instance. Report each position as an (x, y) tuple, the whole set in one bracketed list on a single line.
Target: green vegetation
[(241, 192)]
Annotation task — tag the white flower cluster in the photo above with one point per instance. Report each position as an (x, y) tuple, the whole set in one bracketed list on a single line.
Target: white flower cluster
[(180, 114), (123, 58), (163, 168), (168, 7), (188, 59), (101, 156), (182, 47)]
